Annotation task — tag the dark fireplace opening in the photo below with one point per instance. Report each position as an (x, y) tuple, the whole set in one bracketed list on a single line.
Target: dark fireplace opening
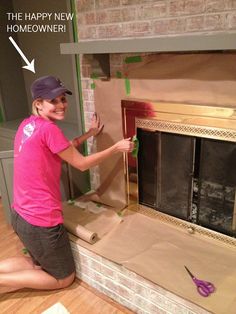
[(188, 177)]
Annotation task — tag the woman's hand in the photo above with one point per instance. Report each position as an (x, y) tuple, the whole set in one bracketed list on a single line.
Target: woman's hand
[(124, 146), (96, 126), (94, 130)]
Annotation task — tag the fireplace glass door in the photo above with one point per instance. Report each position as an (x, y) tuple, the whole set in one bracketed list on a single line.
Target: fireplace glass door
[(147, 167), (189, 178), (217, 182), (165, 168), (174, 174)]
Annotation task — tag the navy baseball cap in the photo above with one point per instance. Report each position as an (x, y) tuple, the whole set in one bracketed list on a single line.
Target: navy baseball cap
[(48, 87)]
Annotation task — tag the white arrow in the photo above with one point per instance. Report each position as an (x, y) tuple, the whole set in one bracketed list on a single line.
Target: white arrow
[(30, 65)]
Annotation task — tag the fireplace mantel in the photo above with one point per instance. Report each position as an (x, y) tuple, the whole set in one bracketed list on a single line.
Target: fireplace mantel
[(182, 43), (100, 49)]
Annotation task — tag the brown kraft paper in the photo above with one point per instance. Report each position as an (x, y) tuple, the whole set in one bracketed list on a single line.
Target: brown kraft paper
[(81, 232)]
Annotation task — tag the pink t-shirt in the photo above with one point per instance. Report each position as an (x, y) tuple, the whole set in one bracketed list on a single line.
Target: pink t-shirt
[(37, 171)]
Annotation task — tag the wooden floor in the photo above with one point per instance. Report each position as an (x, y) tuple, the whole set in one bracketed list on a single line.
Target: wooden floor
[(78, 298)]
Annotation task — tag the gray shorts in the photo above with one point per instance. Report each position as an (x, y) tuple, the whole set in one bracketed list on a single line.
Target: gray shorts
[(49, 247)]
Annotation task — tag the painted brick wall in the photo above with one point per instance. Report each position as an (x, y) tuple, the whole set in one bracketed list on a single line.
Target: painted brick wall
[(99, 19)]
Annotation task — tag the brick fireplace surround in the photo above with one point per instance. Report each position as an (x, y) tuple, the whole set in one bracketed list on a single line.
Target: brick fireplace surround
[(119, 19)]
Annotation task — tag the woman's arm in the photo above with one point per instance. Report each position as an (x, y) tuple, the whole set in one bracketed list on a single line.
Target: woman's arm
[(77, 160), (95, 128)]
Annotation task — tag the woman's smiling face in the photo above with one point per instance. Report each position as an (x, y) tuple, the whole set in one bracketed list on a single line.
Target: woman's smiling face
[(53, 109)]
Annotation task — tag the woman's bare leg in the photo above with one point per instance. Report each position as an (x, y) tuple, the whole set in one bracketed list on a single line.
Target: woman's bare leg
[(13, 264), (20, 272), (33, 278)]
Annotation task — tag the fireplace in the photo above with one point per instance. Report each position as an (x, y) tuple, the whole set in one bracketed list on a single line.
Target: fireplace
[(185, 171)]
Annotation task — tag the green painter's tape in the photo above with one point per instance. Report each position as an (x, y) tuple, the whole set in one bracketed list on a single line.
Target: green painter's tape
[(73, 4), (94, 76), (1, 115), (134, 152), (118, 74), (133, 59), (127, 86), (24, 250)]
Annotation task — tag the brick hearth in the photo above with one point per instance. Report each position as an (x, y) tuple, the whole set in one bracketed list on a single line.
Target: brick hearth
[(126, 287)]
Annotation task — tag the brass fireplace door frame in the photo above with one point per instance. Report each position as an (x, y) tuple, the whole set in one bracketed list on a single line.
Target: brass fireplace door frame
[(193, 120)]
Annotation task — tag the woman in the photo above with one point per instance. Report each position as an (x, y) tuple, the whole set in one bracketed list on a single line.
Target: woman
[(39, 148)]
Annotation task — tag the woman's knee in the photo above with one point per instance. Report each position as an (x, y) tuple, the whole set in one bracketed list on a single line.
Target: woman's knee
[(67, 281)]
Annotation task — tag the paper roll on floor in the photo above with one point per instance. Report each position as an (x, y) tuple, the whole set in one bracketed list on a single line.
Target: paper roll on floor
[(81, 232)]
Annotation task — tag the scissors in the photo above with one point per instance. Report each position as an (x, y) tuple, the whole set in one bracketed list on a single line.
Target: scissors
[(204, 288)]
